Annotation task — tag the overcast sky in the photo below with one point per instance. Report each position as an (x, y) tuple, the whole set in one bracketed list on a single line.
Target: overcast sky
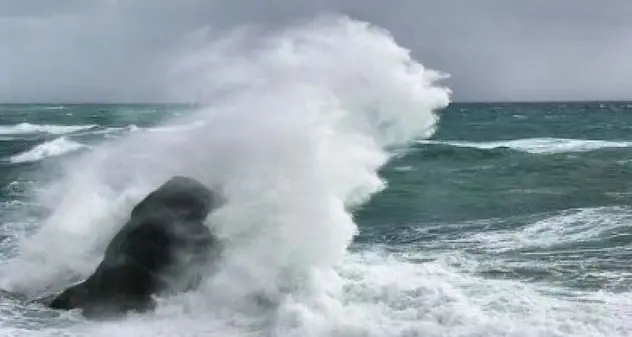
[(119, 50)]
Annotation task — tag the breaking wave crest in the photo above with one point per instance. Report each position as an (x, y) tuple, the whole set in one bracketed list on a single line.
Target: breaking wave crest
[(539, 145), (53, 148), (294, 135), (304, 123), (27, 128)]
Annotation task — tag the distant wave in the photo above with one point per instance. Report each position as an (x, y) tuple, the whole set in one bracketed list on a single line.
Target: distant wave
[(57, 147), (53, 107), (136, 128), (27, 128), (539, 145), (110, 130)]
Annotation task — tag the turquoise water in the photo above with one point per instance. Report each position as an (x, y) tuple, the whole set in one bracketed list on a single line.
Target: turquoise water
[(511, 220)]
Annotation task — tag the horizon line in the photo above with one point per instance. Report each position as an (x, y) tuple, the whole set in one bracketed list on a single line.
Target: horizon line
[(204, 103)]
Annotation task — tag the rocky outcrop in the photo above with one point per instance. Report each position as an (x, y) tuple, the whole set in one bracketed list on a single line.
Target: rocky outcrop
[(162, 248)]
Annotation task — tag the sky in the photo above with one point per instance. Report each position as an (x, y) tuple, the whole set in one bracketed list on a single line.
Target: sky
[(494, 50)]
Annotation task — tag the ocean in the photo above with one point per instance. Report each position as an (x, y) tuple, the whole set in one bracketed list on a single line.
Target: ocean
[(360, 202), (510, 220)]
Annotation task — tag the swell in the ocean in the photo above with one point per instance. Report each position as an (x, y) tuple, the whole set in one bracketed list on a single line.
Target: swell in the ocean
[(295, 142)]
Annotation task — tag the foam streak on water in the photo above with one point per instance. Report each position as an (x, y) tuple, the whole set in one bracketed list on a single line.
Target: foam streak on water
[(540, 145)]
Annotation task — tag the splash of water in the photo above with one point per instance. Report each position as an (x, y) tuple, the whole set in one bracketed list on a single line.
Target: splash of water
[(304, 122)]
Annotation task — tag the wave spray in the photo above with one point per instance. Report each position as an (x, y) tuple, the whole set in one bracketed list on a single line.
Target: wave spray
[(298, 123)]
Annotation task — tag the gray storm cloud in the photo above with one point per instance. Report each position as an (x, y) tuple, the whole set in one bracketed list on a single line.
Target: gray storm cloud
[(121, 50)]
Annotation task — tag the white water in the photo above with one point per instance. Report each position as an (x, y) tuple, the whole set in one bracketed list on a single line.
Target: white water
[(575, 225), (53, 148), (297, 138), (27, 128), (540, 145), (299, 134)]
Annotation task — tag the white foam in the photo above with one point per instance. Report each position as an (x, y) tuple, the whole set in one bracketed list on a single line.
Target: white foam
[(540, 145), (387, 295), (297, 138), (299, 135), (390, 296), (575, 225), (27, 128), (56, 107), (53, 148)]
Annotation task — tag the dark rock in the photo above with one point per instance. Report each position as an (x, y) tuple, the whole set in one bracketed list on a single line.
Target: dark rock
[(162, 248)]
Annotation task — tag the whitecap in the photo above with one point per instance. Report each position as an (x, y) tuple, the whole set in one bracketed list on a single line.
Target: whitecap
[(539, 145), (27, 128), (54, 148)]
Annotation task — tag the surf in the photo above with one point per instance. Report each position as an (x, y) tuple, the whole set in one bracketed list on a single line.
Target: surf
[(295, 139)]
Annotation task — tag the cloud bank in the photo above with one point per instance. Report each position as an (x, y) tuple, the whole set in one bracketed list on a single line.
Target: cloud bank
[(124, 50)]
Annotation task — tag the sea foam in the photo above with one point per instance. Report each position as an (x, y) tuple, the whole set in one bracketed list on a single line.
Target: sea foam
[(539, 145), (27, 128), (53, 148)]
